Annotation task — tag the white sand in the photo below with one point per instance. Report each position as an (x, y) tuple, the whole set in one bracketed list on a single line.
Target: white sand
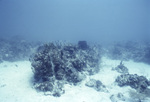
[(16, 83)]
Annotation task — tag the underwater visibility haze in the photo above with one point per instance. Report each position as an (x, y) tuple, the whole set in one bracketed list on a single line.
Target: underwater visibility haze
[(73, 20), (78, 50)]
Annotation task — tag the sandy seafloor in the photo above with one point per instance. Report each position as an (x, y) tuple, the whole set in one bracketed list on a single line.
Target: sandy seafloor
[(16, 84)]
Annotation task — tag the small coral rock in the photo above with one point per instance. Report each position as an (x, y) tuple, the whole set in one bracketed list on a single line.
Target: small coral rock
[(96, 84), (121, 69), (134, 81)]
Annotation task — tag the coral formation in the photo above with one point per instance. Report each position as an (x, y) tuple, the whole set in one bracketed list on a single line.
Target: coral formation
[(97, 85), (11, 50), (117, 97), (55, 64), (140, 83), (121, 68), (136, 51)]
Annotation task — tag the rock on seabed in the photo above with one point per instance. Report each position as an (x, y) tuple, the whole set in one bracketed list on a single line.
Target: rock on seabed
[(56, 64)]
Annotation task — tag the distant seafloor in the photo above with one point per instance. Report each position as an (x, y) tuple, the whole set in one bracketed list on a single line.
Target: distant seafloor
[(17, 77)]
